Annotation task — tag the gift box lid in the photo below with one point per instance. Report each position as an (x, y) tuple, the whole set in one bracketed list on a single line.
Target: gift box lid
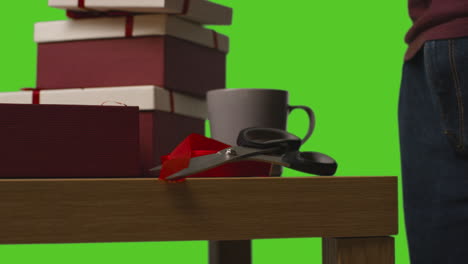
[(131, 26), (50, 141), (200, 11), (146, 97)]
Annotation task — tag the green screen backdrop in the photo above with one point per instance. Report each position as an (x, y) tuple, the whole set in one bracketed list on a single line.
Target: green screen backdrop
[(341, 58)]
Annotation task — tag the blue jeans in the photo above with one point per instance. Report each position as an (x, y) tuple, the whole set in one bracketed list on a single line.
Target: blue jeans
[(433, 127)]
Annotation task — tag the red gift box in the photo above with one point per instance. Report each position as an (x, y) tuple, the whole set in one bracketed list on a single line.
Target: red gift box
[(182, 57), (68, 141), (166, 118)]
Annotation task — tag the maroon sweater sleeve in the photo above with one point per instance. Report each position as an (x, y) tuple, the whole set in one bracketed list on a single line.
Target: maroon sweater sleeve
[(435, 19)]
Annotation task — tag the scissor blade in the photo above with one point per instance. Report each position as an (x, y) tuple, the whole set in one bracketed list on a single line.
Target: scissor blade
[(277, 160), (199, 164), (203, 163), (158, 168)]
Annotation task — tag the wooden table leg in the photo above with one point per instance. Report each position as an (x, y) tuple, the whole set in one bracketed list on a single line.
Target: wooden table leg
[(360, 250), (230, 252)]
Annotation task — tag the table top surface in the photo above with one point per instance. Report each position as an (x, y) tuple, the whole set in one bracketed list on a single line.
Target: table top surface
[(146, 209)]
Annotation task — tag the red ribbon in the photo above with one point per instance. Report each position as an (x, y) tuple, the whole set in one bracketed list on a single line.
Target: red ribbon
[(119, 103), (36, 94), (215, 39), (186, 8), (196, 145), (129, 26)]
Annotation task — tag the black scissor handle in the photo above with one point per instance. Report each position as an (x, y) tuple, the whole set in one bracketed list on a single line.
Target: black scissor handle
[(263, 138), (311, 162)]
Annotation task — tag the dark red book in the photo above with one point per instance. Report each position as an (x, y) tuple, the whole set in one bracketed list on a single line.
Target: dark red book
[(68, 141), (169, 62)]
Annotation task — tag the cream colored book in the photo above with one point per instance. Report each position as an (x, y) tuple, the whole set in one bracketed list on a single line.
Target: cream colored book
[(146, 97), (118, 27)]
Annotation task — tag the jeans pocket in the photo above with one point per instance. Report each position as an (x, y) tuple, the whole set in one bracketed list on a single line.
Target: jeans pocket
[(446, 65)]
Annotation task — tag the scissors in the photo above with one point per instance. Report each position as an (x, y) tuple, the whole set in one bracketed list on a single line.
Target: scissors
[(270, 145)]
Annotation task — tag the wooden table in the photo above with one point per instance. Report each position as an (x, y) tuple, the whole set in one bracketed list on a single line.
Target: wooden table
[(355, 216)]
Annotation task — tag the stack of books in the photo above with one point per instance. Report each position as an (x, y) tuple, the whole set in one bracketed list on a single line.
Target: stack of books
[(151, 54)]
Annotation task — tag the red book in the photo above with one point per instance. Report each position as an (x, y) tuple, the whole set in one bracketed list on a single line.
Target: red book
[(140, 50), (51, 141), (172, 63)]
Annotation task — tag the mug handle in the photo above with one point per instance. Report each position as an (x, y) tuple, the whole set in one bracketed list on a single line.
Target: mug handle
[(311, 115)]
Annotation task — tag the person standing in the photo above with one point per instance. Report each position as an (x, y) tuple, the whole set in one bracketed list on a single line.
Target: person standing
[(433, 131)]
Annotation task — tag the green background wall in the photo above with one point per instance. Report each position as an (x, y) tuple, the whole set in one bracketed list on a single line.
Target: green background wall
[(342, 58)]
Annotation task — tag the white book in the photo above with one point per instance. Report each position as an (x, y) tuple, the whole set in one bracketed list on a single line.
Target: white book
[(200, 11), (116, 27), (146, 97)]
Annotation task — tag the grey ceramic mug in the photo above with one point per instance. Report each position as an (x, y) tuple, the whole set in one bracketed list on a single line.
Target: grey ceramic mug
[(231, 110)]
